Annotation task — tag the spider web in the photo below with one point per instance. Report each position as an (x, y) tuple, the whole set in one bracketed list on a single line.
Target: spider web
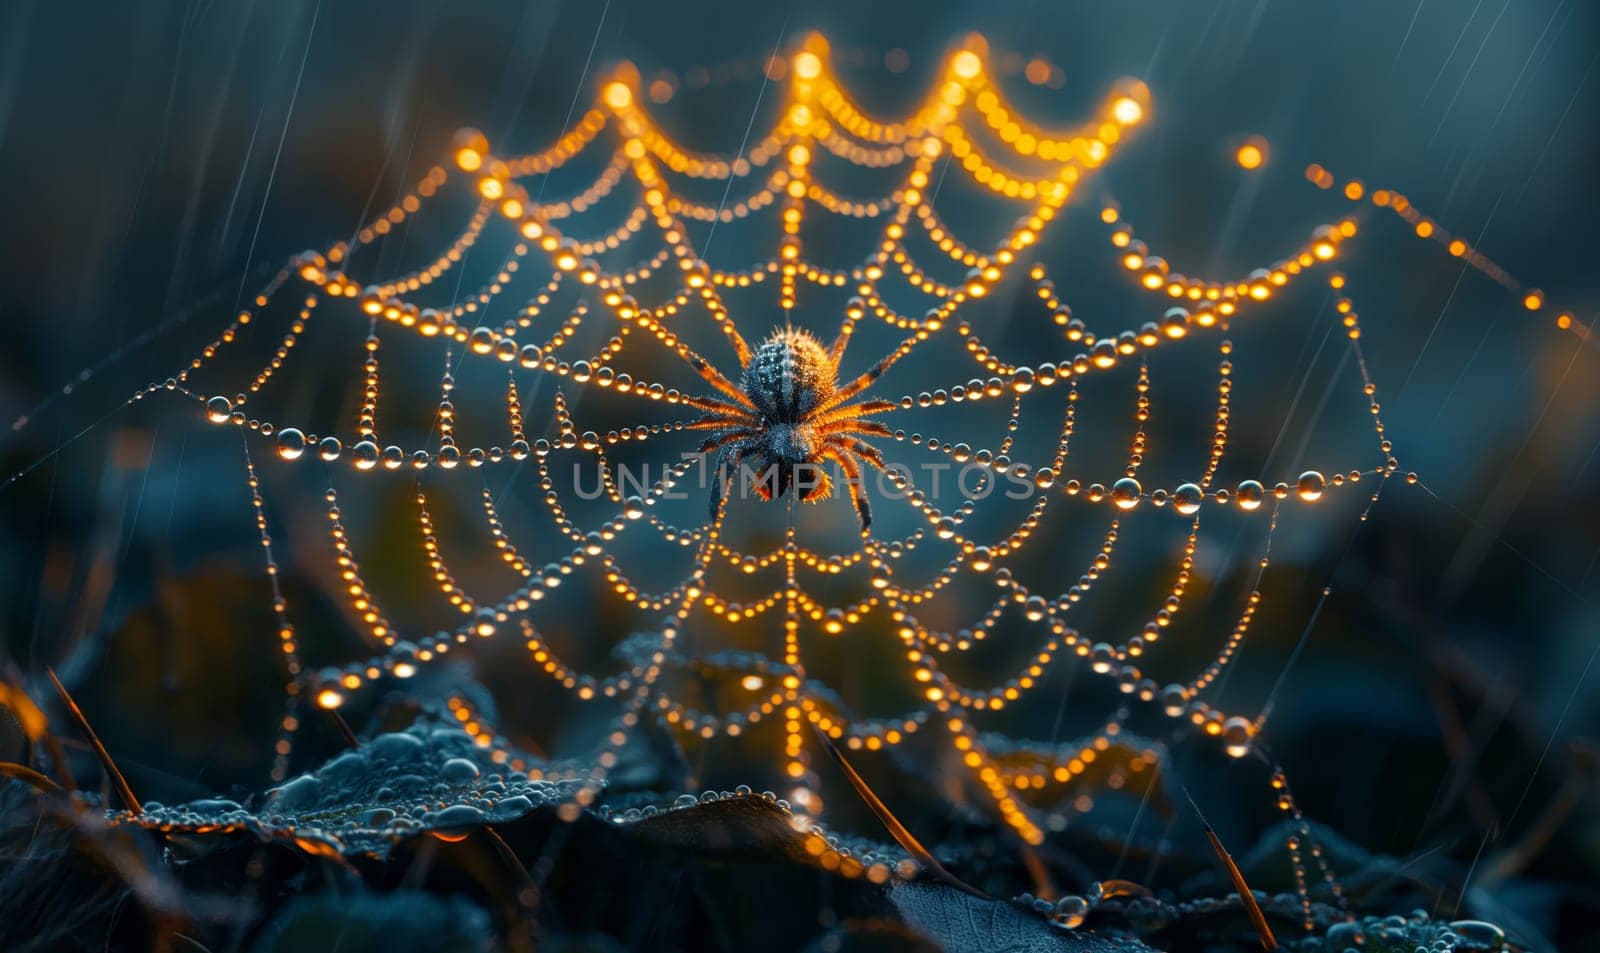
[(608, 299)]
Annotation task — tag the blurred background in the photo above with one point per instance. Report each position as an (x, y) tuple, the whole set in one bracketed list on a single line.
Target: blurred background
[(159, 160)]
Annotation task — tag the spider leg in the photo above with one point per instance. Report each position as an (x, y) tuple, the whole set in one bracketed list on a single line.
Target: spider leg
[(741, 347), (727, 462), (768, 482), (864, 409), (866, 380), (718, 441), (712, 404), (836, 349), (715, 377), (719, 421), (815, 486), (852, 473), (867, 452), (842, 427)]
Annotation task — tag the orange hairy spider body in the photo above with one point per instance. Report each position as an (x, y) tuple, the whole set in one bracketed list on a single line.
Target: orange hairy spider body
[(788, 415)]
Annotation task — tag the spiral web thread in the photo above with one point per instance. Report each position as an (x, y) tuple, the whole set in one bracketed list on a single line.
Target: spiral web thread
[(776, 171)]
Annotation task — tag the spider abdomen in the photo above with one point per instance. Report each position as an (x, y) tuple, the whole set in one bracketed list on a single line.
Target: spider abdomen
[(793, 443), (790, 419), (788, 376)]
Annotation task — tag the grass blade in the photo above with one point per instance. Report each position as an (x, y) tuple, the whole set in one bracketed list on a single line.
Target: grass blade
[(117, 780), (22, 772), (896, 829), (1251, 907)]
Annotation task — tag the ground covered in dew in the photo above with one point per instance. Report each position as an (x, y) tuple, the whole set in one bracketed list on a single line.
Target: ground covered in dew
[(417, 839)]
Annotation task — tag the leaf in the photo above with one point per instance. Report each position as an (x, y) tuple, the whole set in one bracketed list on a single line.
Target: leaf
[(430, 778), (961, 922)]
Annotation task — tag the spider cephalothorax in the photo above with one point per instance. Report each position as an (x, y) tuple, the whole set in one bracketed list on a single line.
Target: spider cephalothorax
[(788, 416)]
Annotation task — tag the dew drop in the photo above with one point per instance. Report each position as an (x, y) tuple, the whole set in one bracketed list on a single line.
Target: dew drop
[(219, 410), (1186, 499), (365, 455), (1102, 657), (291, 443), (481, 341), (1310, 486), (1236, 733), (1174, 699), (1071, 911), (459, 771)]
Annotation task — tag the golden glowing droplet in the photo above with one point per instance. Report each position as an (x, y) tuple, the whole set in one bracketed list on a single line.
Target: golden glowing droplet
[(1253, 154), (1125, 493), (1236, 734), (329, 698), (470, 147), (291, 443), (807, 65), (618, 95), (1310, 486), (219, 410), (966, 64), (1249, 495), (1533, 300), (481, 340), (365, 455), (1186, 499)]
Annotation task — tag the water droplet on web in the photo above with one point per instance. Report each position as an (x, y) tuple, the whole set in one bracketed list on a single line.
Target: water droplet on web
[(1310, 486), (1236, 735), (364, 455), (291, 443), (219, 410), (1186, 499)]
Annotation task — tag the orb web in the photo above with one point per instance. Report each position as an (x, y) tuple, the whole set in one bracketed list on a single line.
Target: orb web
[(630, 253)]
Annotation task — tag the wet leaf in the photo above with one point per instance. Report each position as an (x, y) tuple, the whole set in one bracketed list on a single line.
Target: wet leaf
[(959, 921)]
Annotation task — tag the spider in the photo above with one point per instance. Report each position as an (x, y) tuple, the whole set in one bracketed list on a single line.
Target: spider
[(788, 416)]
